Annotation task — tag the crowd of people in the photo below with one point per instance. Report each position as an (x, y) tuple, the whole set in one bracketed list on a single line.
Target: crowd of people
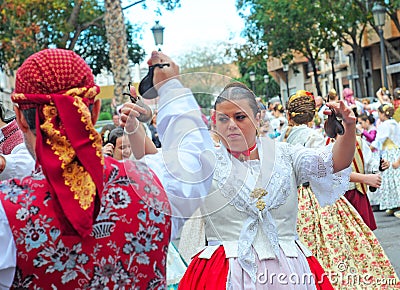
[(272, 201), (378, 138)]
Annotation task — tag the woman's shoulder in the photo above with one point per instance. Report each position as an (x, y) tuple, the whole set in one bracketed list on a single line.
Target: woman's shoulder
[(388, 123)]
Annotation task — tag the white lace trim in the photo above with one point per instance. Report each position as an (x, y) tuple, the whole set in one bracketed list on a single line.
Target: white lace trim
[(317, 169)]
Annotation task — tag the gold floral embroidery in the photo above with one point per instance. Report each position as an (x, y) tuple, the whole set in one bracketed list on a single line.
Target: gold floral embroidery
[(60, 145), (84, 92), (259, 193), (260, 204), (81, 184), (93, 136), (16, 97), (75, 175)]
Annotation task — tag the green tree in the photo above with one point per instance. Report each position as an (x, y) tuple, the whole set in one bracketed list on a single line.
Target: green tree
[(29, 26), (392, 8), (118, 53), (312, 28), (348, 23), (250, 58), (284, 27)]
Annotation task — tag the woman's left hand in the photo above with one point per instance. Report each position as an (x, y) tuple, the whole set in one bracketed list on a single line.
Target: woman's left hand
[(342, 111)]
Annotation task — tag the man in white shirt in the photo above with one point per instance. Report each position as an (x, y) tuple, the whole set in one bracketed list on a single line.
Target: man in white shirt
[(15, 160)]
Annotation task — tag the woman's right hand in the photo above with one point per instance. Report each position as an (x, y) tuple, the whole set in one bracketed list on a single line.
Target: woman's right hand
[(128, 116), (374, 180), (161, 75)]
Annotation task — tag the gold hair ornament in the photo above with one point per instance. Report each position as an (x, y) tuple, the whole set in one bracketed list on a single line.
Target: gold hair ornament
[(301, 94), (294, 114), (385, 107)]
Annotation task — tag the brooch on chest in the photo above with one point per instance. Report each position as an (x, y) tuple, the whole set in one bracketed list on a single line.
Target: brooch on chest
[(259, 193)]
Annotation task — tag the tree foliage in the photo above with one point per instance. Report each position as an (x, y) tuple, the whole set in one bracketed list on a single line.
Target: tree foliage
[(392, 8), (250, 58), (28, 26), (285, 27), (348, 22)]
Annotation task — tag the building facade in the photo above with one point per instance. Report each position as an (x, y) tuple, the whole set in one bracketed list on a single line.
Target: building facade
[(342, 72)]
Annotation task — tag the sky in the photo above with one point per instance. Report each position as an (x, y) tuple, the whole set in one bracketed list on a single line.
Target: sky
[(195, 23)]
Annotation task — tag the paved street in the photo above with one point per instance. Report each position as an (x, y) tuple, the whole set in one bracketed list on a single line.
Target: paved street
[(388, 234)]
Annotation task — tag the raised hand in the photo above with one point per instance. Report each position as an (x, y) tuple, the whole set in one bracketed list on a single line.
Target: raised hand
[(342, 111), (162, 74)]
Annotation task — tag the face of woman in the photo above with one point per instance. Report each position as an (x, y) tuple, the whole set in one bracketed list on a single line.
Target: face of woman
[(364, 124), (236, 124), (381, 116), (122, 148)]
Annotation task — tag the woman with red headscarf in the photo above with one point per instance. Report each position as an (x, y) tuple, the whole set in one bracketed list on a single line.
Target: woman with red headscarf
[(85, 220)]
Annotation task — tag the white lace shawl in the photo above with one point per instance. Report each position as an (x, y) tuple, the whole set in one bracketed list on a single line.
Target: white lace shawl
[(312, 165)]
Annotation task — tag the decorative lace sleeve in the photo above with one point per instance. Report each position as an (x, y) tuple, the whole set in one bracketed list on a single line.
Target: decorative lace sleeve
[(316, 167)]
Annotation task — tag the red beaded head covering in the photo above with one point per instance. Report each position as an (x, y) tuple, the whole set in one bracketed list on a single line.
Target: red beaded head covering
[(60, 85)]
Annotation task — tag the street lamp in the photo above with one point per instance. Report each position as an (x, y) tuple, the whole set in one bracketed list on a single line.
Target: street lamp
[(266, 81), (252, 76), (379, 13), (332, 54), (286, 70), (158, 34)]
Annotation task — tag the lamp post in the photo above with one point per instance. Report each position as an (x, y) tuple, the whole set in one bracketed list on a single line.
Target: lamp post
[(158, 34), (332, 54), (266, 81), (286, 70), (379, 13), (252, 76)]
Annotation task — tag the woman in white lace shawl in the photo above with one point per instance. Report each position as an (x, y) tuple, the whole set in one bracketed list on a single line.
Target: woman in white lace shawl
[(250, 212), (336, 234)]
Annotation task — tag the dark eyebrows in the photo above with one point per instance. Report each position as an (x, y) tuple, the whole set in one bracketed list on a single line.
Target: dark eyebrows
[(235, 114)]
